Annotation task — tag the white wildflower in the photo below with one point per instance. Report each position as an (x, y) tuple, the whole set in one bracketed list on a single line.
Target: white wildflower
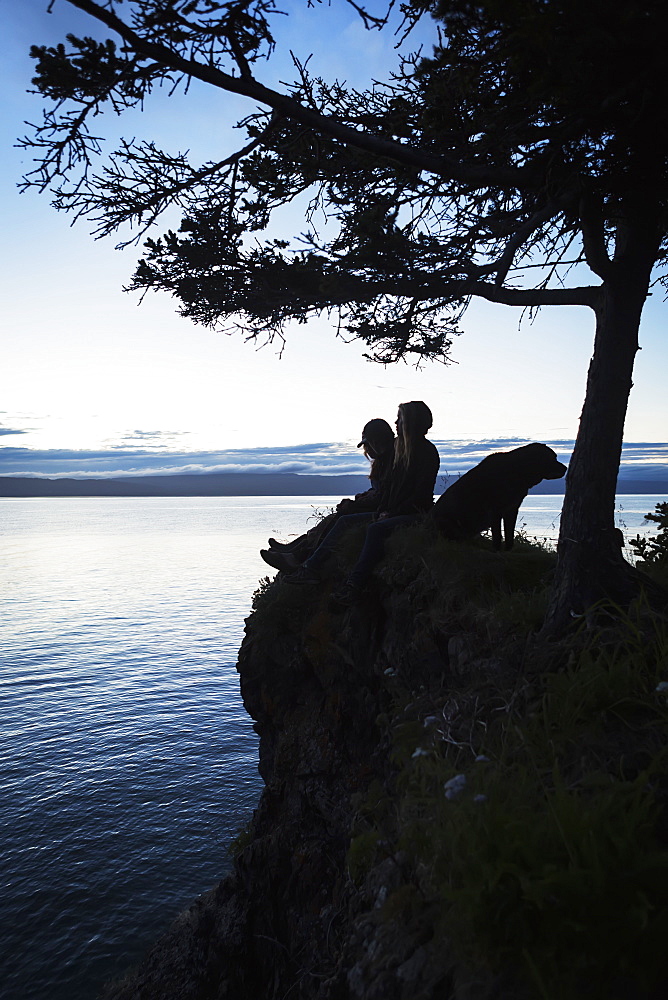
[(481, 759), (420, 752), (390, 672), (479, 798), (431, 720), (661, 687), (455, 786)]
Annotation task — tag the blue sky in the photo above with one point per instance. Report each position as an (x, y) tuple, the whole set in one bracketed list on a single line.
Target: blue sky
[(93, 383)]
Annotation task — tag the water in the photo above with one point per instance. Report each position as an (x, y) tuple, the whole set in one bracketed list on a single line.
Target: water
[(128, 762), (539, 517)]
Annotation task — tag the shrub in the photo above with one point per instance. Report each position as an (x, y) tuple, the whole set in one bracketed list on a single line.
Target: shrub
[(653, 550)]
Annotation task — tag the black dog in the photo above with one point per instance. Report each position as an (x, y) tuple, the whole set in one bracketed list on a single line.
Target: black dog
[(493, 491)]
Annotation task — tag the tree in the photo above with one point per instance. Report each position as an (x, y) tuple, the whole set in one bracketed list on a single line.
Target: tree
[(528, 149)]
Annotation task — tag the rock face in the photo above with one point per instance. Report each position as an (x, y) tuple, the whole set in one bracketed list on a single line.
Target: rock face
[(290, 921), (439, 799)]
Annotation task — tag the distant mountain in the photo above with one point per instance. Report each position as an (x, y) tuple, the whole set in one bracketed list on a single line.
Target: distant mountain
[(235, 484), (557, 486), (223, 484)]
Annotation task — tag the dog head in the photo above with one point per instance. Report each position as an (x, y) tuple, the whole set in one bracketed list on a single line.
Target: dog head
[(539, 462)]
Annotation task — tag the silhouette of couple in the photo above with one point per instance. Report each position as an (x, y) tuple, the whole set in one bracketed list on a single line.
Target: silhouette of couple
[(403, 474)]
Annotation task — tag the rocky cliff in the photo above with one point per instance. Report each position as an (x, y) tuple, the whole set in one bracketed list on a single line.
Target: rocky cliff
[(450, 810)]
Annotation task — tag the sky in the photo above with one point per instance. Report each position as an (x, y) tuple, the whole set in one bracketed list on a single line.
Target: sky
[(93, 383)]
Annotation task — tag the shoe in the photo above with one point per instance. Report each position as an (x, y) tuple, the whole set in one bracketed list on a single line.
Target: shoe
[(302, 575), (282, 546), (346, 596), (284, 561)]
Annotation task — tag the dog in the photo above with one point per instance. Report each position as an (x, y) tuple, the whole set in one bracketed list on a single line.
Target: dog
[(493, 491)]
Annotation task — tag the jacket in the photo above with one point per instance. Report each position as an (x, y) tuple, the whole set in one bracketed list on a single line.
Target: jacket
[(410, 490)]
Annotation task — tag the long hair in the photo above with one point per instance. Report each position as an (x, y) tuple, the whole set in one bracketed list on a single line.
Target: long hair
[(378, 445), (416, 419)]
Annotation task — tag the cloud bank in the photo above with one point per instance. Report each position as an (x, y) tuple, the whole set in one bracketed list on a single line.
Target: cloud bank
[(640, 460)]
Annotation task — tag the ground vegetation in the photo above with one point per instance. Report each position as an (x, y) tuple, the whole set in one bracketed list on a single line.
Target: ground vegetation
[(453, 807)]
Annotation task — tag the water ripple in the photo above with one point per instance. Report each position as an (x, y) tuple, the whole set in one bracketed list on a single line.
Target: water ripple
[(128, 761)]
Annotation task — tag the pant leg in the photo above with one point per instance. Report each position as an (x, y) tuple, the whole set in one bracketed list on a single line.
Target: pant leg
[(331, 539), (374, 546), (309, 542)]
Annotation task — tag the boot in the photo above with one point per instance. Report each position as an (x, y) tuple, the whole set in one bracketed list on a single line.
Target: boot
[(283, 546), (284, 561)]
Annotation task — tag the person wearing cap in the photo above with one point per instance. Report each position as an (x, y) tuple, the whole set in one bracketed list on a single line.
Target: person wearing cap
[(378, 444), (406, 495)]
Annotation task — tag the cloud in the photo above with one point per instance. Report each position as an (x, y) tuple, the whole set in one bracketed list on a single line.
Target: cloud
[(4, 431), (640, 460), (313, 459), (151, 439), (458, 456)]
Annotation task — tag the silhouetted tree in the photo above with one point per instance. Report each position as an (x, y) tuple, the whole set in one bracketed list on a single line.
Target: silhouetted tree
[(528, 149)]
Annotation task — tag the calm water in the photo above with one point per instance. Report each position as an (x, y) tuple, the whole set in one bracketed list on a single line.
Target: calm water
[(128, 762)]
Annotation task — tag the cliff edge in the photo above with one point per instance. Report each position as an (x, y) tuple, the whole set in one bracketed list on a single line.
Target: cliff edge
[(452, 811)]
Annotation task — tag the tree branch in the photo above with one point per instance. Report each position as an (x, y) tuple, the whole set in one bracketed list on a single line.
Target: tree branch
[(505, 261), (371, 20), (159, 199), (586, 295), (451, 290), (593, 235), (288, 107)]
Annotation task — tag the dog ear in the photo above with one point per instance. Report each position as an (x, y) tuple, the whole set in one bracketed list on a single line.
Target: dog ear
[(549, 458), (554, 469), (528, 459), (549, 462)]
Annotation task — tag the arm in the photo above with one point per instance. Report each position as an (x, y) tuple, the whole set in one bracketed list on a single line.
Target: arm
[(364, 503), (414, 492)]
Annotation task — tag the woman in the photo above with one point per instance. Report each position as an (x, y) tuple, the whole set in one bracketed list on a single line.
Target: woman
[(378, 444), (407, 494)]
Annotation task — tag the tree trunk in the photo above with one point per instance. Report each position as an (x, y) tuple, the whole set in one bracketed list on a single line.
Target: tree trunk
[(591, 567)]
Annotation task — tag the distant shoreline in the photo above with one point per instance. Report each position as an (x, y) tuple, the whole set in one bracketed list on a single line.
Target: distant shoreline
[(245, 484)]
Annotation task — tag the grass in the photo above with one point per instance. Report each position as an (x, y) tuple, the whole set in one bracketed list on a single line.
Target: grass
[(534, 817), (529, 798), (526, 789)]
